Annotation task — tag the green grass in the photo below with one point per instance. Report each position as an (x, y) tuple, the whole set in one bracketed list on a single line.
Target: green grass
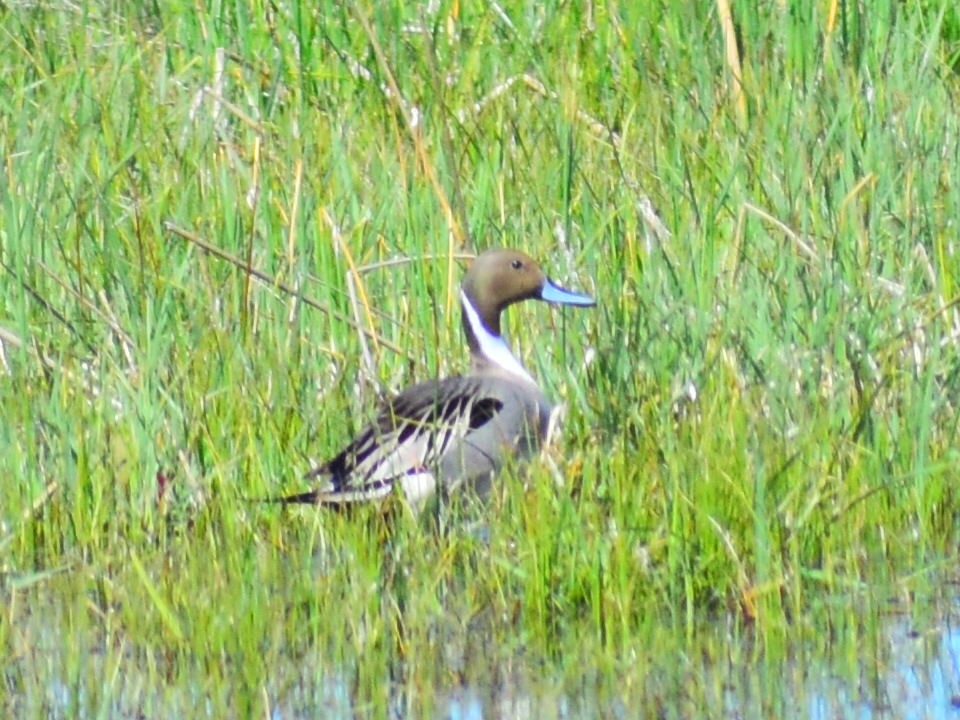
[(792, 258)]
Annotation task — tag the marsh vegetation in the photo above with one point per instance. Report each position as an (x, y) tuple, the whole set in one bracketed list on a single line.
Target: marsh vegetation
[(226, 230)]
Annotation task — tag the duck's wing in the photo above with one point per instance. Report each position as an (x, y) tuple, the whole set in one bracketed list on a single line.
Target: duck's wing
[(405, 443)]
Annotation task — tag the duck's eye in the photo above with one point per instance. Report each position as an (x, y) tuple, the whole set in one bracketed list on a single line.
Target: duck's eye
[(516, 264)]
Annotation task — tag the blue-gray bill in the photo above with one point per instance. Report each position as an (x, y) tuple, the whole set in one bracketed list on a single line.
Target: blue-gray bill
[(553, 293)]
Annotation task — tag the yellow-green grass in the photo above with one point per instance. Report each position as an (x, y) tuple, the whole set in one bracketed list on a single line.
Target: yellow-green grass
[(761, 424)]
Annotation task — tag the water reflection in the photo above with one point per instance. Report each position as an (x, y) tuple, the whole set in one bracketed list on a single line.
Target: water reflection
[(886, 665), (909, 674), (920, 679)]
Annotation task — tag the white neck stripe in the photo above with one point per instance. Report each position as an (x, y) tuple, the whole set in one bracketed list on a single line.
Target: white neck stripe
[(493, 347)]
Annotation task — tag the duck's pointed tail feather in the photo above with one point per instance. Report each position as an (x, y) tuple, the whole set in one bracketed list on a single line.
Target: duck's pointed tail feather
[(331, 498), (313, 497)]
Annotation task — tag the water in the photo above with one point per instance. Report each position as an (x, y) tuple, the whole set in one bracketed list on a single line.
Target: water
[(893, 661), (910, 671)]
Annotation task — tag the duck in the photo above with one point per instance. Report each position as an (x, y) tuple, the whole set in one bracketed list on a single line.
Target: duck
[(441, 435)]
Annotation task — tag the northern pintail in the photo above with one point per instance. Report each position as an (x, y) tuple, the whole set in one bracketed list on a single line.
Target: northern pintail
[(461, 429)]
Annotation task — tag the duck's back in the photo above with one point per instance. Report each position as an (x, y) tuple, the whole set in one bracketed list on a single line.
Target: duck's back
[(456, 431)]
